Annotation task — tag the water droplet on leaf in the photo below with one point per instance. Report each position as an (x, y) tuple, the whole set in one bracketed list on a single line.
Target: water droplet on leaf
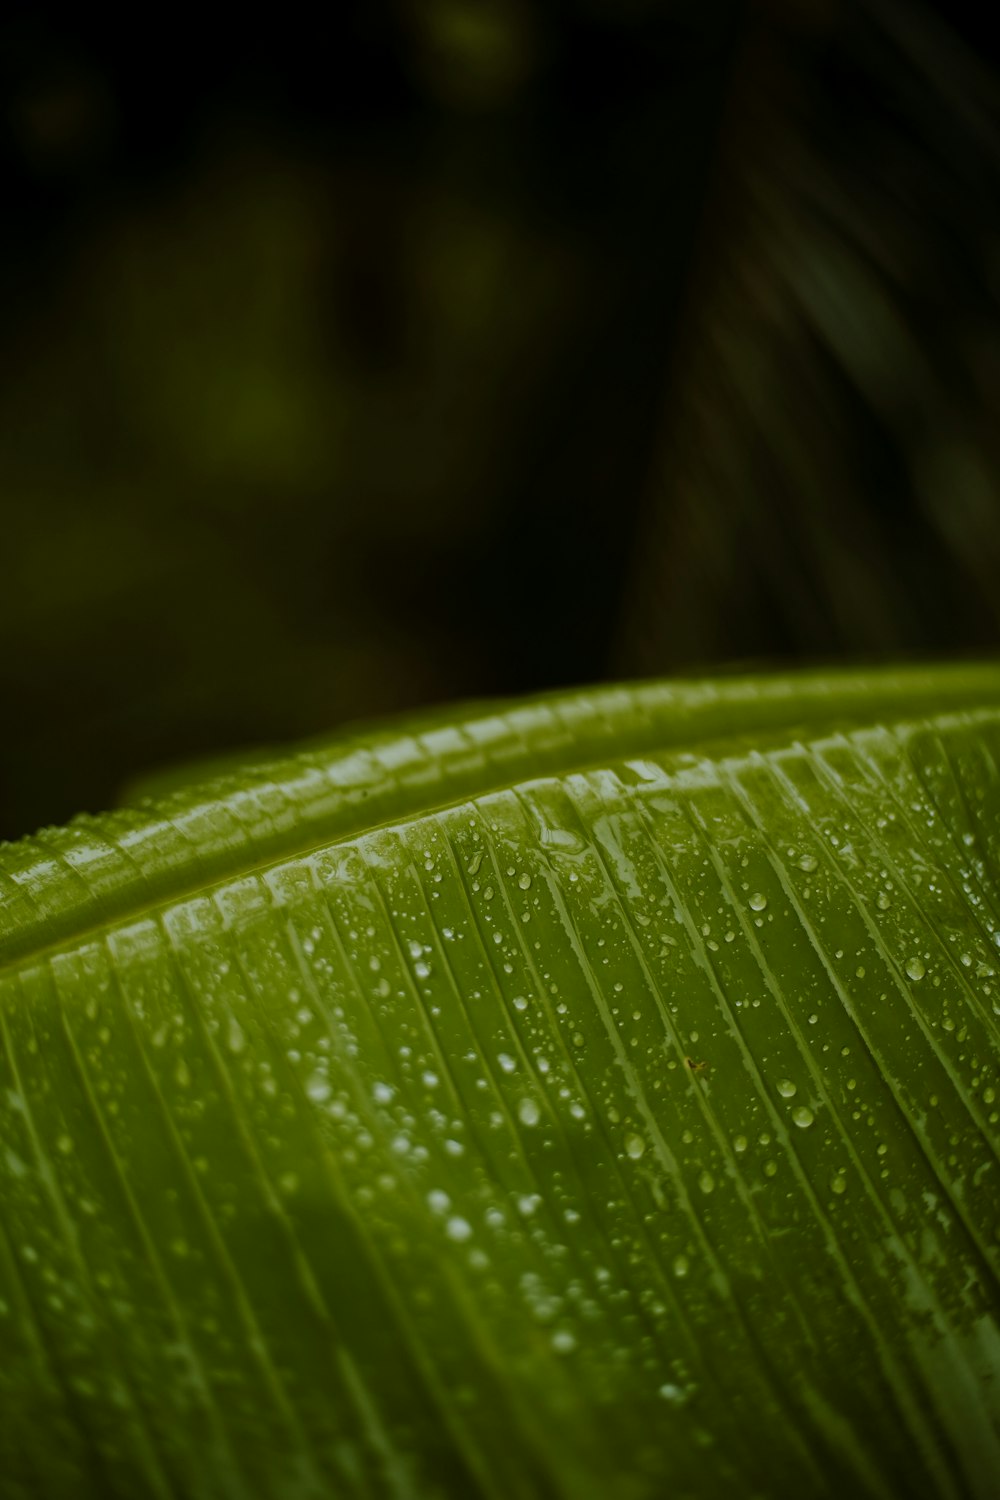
[(528, 1112)]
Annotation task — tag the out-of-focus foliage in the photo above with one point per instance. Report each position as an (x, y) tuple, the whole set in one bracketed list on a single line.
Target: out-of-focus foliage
[(828, 479), (472, 348)]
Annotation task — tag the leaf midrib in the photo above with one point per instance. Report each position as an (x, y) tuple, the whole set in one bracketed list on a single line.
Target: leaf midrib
[(591, 726)]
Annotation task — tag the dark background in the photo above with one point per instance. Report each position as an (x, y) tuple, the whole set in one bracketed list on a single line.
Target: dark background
[(457, 348)]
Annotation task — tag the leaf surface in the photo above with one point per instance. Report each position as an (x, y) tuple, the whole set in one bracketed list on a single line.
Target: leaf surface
[(594, 1096)]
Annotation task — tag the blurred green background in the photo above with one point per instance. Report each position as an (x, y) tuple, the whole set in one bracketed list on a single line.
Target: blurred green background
[(459, 347)]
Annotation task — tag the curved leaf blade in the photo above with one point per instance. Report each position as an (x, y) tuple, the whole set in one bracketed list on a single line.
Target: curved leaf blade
[(593, 1097)]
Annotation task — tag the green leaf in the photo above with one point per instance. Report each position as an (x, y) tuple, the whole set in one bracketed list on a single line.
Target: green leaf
[(591, 1097)]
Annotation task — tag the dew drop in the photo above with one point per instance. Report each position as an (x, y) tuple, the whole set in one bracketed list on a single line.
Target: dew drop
[(524, 881), (635, 1146), (706, 1182), (758, 901), (458, 1229), (838, 1184), (520, 1003), (807, 862), (681, 1265), (318, 1088), (803, 1117), (528, 1112), (673, 1394), (563, 1341), (915, 967), (786, 1088)]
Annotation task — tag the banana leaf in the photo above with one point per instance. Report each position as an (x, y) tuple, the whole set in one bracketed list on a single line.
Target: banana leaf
[(594, 1096)]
